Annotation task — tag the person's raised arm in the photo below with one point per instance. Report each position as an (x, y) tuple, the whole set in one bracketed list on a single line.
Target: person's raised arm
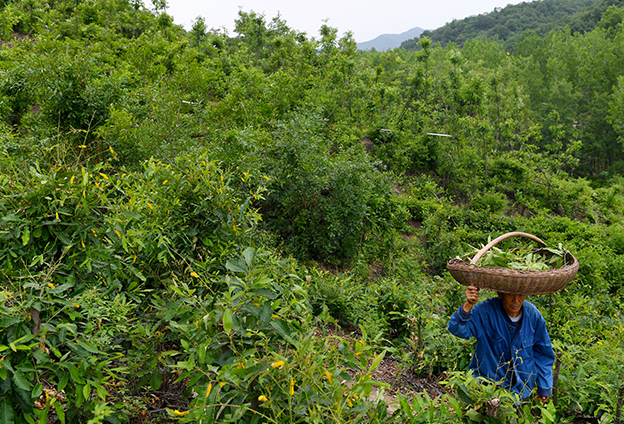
[(459, 323), (472, 297)]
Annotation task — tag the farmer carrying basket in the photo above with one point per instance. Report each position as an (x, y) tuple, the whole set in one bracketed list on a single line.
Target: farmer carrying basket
[(513, 346)]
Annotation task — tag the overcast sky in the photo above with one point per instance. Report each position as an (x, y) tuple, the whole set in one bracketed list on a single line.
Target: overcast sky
[(365, 18)]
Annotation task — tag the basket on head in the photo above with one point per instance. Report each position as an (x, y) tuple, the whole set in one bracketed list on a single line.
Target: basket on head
[(506, 280)]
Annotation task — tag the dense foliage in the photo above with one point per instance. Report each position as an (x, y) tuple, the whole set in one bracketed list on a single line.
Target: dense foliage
[(511, 23), (204, 227)]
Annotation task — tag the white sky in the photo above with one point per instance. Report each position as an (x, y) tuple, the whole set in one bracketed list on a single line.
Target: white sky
[(365, 18)]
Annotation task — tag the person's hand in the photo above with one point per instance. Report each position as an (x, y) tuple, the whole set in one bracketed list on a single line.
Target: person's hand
[(541, 398), (472, 297), (472, 294)]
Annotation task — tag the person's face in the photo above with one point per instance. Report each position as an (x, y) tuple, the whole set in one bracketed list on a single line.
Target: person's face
[(512, 303)]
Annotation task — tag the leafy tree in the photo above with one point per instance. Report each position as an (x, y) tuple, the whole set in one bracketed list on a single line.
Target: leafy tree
[(616, 109), (611, 20), (198, 31)]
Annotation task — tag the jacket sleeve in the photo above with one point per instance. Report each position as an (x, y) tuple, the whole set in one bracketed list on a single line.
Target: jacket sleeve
[(460, 326), (544, 359)]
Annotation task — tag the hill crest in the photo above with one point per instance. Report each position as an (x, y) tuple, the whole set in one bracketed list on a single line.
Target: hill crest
[(390, 41)]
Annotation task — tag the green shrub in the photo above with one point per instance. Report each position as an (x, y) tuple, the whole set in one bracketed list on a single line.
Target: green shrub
[(401, 152), (247, 348), (509, 172), (489, 201), (616, 238), (324, 204), (74, 91), (16, 96)]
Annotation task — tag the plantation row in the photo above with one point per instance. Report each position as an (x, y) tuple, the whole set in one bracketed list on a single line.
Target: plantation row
[(199, 227)]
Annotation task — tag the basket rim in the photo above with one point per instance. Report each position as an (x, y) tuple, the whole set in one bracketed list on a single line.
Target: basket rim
[(458, 263), (508, 280)]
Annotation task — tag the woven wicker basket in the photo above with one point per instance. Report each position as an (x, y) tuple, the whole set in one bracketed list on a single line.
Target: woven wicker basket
[(508, 280)]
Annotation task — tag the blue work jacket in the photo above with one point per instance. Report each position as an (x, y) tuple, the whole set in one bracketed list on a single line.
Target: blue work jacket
[(499, 344)]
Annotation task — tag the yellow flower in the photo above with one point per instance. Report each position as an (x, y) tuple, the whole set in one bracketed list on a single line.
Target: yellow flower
[(291, 388), (57, 216), (194, 274), (208, 389), (180, 414), (82, 146), (279, 364), (262, 398), (240, 366), (118, 233), (103, 176), (165, 182), (83, 245), (329, 376), (51, 285), (76, 305), (111, 149), (266, 177), (71, 180), (222, 383), (150, 205)]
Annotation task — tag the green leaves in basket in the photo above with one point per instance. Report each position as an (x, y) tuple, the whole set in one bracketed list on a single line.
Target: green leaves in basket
[(530, 262), (523, 258)]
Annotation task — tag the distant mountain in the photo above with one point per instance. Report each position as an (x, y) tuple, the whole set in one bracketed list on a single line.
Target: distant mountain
[(390, 41)]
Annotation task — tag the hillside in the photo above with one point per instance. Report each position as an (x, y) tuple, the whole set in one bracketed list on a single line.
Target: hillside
[(199, 228), (509, 23), (390, 41)]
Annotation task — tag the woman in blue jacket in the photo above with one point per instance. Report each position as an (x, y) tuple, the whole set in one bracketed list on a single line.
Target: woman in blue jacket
[(513, 347)]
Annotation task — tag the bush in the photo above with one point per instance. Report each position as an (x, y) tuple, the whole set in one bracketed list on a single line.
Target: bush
[(15, 94), (401, 152), (489, 201), (71, 241), (248, 350), (324, 204), (75, 93)]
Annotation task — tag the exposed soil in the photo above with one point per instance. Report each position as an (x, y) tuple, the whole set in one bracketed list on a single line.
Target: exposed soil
[(404, 380)]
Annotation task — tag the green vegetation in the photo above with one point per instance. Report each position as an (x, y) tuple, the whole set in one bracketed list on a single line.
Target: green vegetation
[(524, 258), (511, 23), (196, 227)]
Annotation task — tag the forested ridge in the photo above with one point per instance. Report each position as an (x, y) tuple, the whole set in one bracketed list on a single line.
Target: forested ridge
[(511, 23), (198, 226)]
